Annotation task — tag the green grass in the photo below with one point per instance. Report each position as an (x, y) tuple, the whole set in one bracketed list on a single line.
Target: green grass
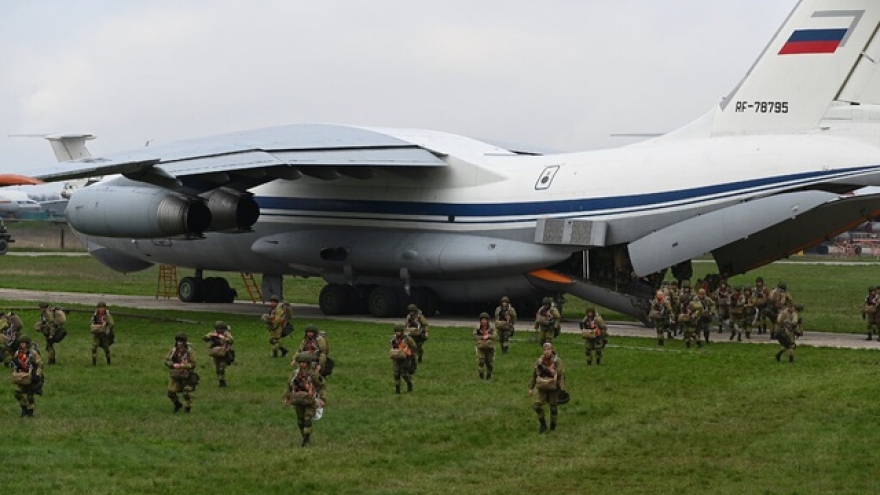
[(728, 419)]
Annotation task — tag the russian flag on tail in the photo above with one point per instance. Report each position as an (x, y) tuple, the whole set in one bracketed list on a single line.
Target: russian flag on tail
[(813, 41)]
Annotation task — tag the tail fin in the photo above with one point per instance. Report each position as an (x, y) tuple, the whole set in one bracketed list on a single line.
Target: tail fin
[(826, 50), (69, 146)]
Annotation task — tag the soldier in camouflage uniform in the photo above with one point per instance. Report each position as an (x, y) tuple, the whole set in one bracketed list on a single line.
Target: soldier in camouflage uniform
[(870, 313), (51, 325), (595, 334), (306, 393), (10, 328), (505, 320), (723, 298), (787, 328), (102, 329), (276, 321), (485, 336), (735, 312), (27, 375), (690, 310), (548, 379), (181, 364), (547, 321), (660, 315), (750, 313), (402, 355), (705, 317), (762, 299), (417, 328), (673, 296), (777, 301), (314, 348), (220, 342)]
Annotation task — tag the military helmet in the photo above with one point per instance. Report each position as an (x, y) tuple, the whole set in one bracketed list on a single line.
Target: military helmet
[(674, 283), (219, 325), (685, 283), (399, 328), (412, 307), (547, 300), (590, 309), (782, 286), (701, 292), (25, 338), (44, 305), (563, 397), (273, 298), (180, 337), (759, 279), (102, 304), (484, 315), (311, 328), (872, 288), (505, 299)]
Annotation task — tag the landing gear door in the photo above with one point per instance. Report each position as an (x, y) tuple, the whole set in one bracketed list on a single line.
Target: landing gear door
[(546, 177)]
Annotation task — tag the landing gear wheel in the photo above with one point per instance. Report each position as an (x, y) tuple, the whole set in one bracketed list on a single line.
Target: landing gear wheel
[(216, 290), (383, 302), (335, 300), (190, 289)]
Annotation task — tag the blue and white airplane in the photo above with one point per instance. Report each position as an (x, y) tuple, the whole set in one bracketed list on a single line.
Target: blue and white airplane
[(388, 216)]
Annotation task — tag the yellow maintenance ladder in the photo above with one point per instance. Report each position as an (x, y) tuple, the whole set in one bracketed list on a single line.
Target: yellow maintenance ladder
[(167, 281), (250, 284)]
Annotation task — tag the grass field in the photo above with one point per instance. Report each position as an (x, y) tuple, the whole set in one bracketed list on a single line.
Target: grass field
[(725, 419), (728, 419)]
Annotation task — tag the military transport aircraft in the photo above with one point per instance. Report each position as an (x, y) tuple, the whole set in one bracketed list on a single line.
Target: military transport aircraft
[(388, 216)]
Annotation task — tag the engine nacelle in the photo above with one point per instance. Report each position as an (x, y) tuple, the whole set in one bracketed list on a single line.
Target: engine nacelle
[(141, 212), (231, 210)]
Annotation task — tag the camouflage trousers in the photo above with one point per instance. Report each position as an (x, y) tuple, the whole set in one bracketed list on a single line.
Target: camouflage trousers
[(549, 398), (220, 365), (304, 415), (593, 348), (180, 388)]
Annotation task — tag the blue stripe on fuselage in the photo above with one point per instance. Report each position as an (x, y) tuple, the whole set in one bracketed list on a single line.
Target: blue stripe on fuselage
[(616, 204)]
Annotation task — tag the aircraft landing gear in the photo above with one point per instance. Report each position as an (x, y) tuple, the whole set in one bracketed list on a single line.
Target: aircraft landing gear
[(379, 301), (211, 289)]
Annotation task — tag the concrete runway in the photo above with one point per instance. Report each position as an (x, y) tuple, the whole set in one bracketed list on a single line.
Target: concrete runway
[(311, 312)]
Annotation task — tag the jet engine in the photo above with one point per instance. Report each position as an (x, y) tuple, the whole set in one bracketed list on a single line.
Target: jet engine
[(136, 211), (231, 210)]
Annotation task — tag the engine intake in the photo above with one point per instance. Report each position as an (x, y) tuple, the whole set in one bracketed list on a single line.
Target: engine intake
[(231, 210)]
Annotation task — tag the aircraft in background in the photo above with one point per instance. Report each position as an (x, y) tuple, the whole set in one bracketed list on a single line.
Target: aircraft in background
[(14, 203), (388, 216)]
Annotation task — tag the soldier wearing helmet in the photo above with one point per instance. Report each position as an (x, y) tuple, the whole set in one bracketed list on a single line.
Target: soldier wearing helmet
[(181, 363), (706, 314), (548, 379), (306, 393), (402, 354), (594, 331), (485, 336), (220, 342), (51, 325), (787, 331), (547, 321), (749, 311), (277, 322), (27, 375), (780, 299), (690, 311), (762, 305), (10, 327), (314, 347), (660, 315), (417, 327), (870, 313), (505, 320), (102, 329)]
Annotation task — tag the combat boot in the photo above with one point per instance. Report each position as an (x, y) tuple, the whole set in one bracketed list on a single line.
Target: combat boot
[(274, 353), (688, 344), (732, 336), (420, 358), (177, 406), (869, 336), (739, 337), (543, 426), (488, 375), (397, 389), (552, 425), (305, 441), (94, 361), (108, 359), (504, 350), (748, 335), (660, 342), (24, 411), (222, 383), (51, 360), (409, 386), (284, 351), (589, 362), (187, 409), (790, 359), (598, 360), (779, 356), (482, 375)]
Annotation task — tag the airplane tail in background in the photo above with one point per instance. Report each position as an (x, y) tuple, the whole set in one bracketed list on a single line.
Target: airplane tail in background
[(827, 50)]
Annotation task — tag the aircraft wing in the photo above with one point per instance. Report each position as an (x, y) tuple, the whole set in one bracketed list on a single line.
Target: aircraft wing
[(244, 160)]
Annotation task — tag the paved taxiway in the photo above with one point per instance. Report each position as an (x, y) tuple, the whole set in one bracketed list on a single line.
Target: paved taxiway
[(311, 312)]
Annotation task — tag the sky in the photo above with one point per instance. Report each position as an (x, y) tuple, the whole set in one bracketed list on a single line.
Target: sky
[(560, 75)]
